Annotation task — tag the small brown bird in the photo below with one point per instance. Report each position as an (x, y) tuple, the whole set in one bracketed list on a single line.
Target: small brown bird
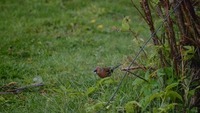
[(106, 71)]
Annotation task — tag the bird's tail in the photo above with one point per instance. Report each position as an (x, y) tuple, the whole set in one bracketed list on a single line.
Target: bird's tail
[(115, 67)]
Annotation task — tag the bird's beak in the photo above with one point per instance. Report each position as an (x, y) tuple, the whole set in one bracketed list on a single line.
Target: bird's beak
[(95, 71)]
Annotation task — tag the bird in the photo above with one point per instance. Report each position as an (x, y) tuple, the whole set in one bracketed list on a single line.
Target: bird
[(103, 72)]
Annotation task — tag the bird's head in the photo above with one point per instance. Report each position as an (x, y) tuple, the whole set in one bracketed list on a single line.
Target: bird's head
[(96, 69)]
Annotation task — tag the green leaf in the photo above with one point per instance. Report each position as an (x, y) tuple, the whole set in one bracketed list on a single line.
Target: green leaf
[(169, 71), (57, 90), (63, 88), (126, 23), (188, 53), (155, 110), (147, 74), (152, 97), (105, 81), (154, 3), (2, 99), (91, 90), (99, 105), (166, 108), (90, 109), (191, 92), (94, 108), (156, 95), (173, 95), (132, 107), (197, 87), (160, 72), (169, 87)]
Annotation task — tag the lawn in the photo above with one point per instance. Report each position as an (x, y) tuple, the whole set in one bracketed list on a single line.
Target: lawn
[(62, 41)]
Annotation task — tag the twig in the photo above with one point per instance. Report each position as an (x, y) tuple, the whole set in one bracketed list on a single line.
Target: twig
[(137, 76), (133, 68), (138, 10), (20, 89)]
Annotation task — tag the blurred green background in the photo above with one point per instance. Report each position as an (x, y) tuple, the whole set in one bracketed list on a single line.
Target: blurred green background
[(62, 41)]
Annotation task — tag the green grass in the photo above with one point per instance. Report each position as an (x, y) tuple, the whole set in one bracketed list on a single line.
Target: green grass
[(63, 41)]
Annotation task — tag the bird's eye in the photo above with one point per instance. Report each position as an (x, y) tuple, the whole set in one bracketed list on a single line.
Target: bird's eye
[(95, 71)]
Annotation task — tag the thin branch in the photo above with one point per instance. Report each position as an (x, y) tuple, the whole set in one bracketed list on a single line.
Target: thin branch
[(138, 10), (20, 89), (133, 68), (137, 76)]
